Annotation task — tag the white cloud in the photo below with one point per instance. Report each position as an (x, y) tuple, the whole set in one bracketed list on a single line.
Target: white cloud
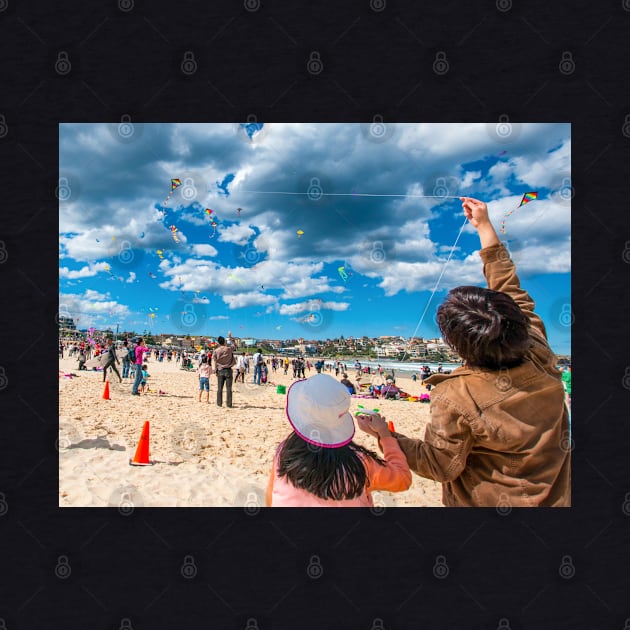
[(241, 300), (238, 234), (131, 278), (84, 272), (218, 317), (204, 250), (312, 305)]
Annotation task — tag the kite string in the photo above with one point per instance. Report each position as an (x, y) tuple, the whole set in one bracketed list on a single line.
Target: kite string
[(426, 308), (318, 194)]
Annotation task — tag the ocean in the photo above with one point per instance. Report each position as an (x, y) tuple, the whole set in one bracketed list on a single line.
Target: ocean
[(398, 366)]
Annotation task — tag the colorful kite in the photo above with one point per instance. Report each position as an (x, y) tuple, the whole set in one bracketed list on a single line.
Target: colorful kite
[(173, 230), (175, 184), (527, 197), (299, 233), (342, 273), (160, 253), (238, 211), (214, 228)]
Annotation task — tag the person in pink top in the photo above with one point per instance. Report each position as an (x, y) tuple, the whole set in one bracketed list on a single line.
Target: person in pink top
[(318, 464)]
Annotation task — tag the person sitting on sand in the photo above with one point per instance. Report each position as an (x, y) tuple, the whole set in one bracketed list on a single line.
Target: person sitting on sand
[(499, 424), (348, 384), (318, 464)]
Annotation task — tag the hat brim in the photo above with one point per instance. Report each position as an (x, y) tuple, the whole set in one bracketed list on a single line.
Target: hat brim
[(304, 424)]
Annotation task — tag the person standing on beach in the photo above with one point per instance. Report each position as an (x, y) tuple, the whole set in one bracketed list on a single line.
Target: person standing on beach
[(112, 359), (222, 361), (204, 370), (240, 368), (499, 424), (127, 355), (139, 352), (258, 363)]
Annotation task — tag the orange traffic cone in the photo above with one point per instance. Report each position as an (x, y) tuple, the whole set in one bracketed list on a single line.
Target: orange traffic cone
[(106, 391), (390, 426), (141, 458)]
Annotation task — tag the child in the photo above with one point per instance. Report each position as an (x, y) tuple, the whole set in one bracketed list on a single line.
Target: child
[(318, 464), (145, 375), (204, 370)]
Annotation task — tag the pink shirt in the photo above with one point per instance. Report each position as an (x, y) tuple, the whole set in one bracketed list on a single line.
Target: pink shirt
[(204, 370), (395, 476)]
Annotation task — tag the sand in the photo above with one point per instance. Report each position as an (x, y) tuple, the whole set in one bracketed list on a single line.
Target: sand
[(205, 456)]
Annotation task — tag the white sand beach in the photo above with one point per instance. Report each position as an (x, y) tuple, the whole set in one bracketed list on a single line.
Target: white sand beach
[(204, 455)]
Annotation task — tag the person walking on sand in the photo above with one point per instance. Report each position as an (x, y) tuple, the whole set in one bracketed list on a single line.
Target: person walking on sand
[(111, 361), (240, 368), (258, 363), (499, 424), (222, 362), (319, 465)]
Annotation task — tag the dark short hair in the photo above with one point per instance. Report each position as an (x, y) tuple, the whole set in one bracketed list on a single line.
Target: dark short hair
[(485, 327), (221, 340)]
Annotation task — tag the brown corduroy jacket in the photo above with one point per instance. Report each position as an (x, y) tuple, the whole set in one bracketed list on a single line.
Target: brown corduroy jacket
[(499, 438)]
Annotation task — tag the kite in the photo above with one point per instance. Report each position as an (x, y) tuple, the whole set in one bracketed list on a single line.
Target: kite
[(238, 211), (152, 275), (160, 253), (214, 229), (141, 234), (208, 211), (175, 183), (174, 233), (299, 233), (342, 273), (527, 197)]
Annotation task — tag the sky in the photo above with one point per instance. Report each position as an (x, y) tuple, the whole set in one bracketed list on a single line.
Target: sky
[(321, 230)]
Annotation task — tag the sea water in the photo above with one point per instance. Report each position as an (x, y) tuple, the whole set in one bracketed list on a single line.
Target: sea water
[(398, 366)]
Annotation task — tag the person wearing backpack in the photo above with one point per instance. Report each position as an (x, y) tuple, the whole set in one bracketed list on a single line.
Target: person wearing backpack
[(127, 358), (258, 363)]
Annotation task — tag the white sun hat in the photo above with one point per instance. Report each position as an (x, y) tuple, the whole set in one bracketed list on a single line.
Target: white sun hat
[(318, 410)]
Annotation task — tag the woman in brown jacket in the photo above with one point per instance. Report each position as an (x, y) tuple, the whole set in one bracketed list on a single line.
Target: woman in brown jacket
[(499, 432)]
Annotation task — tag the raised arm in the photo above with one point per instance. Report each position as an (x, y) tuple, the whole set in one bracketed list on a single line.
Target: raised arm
[(498, 267)]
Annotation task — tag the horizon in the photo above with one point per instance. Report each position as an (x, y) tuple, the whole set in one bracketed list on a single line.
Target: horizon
[(276, 230)]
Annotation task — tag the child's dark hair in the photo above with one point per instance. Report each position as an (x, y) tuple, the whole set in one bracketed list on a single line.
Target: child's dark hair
[(486, 328), (144, 366), (204, 359), (328, 473)]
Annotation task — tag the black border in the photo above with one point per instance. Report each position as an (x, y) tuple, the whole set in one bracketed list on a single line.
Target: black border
[(504, 59)]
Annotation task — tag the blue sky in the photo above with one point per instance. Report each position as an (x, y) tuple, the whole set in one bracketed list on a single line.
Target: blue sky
[(270, 266)]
